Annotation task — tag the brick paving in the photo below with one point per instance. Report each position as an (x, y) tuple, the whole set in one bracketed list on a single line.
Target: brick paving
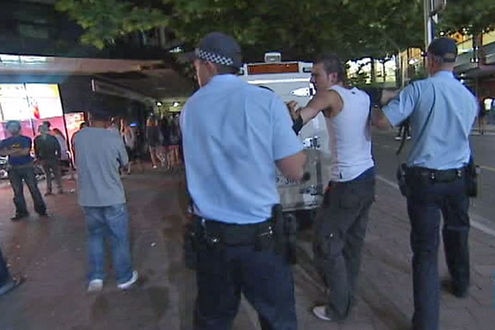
[(51, 253)]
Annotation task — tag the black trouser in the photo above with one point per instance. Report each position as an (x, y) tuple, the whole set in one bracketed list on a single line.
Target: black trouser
[(4, 271), (18, 174), (427, 199), (339, 230), (265, 279), (52, 166)]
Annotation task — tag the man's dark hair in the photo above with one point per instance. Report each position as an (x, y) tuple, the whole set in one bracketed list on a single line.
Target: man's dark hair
[(47, 124), (224, 69), (99, 115), (332, 63)]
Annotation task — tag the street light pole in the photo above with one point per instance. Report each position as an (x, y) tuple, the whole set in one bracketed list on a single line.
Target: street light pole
[(428, 24), (431, 8)]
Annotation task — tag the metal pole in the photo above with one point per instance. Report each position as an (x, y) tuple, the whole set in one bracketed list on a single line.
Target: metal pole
[(427, 23)]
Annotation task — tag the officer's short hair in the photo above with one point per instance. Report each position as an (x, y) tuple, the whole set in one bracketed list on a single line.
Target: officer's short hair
[(332, 64), (224, 69)]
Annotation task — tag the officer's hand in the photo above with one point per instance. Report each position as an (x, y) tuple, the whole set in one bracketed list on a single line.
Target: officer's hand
[(294, 109), (388, 95)]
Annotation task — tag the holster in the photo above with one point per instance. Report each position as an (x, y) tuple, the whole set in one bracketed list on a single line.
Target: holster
[(191, 243), (277, 234), (401, 180), (471, 178), (285, 233)]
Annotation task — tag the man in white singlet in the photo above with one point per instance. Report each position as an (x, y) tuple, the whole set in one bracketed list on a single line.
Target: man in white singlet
[(340, 225)]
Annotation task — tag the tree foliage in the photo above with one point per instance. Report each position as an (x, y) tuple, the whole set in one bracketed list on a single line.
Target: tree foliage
[(468, 17), (299, 29)]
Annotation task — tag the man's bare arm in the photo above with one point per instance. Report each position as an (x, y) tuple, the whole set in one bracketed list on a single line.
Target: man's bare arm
[(292, 167), (379, 120), (328, 101)]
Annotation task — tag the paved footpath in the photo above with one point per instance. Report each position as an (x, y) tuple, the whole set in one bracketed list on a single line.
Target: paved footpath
[(51, 253)]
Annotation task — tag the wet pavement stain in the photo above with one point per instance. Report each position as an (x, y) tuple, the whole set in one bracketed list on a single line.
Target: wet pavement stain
[(160, 300), (100, 308)]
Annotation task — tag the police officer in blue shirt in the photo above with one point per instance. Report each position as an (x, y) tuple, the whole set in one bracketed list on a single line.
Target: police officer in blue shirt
[(18, 148), (234, 137), (442, 112)]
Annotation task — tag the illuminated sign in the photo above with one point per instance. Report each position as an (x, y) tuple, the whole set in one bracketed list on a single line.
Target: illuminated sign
[(29, 101)]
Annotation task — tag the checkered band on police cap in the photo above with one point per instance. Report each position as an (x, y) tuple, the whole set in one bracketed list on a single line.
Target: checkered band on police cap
[(219, 48), (214, 58)]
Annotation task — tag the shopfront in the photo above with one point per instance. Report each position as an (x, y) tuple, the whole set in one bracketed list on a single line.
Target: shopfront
[(32, 104)]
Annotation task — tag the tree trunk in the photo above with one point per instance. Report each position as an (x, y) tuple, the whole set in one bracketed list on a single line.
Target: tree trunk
[(477, 45), (384, 72)]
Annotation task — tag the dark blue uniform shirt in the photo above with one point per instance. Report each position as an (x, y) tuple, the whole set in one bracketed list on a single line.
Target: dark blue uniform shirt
[(17, 142)]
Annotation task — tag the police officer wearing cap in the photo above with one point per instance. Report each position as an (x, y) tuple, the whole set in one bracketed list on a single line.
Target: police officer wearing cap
[(441, 112), (18, 148), (234, 137)]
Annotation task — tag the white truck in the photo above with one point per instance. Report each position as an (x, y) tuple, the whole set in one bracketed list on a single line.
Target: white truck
[(291, 82)]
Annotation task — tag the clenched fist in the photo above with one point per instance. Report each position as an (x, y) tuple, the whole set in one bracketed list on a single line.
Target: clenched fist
[(294, 109)]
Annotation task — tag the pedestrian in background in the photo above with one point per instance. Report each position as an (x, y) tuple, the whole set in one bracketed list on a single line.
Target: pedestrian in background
[(175, 140), (153, 140), (340, 225), (164, 125), (482, 112), (18, 148), (235, 135), (100, 155), (7, 281), (81, 126), (47, 151), (64, 151), (130, 141), (441, 111)]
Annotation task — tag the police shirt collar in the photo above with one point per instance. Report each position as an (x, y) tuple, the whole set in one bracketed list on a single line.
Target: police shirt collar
[(223, 77), (444, 73)]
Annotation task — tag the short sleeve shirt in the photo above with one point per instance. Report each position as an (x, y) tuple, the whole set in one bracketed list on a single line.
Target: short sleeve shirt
[(100, 153), (17, 142), (233, 133), (442, 112)]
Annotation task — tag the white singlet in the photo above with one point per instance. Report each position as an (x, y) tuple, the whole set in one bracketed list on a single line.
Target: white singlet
[(350, 136)]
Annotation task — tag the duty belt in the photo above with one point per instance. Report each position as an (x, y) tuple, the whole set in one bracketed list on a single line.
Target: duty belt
[(435, 175), (234, 234)]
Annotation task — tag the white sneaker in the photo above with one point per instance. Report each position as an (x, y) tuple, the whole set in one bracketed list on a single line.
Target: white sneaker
[(130, 283), (321, 313), (95, 285)]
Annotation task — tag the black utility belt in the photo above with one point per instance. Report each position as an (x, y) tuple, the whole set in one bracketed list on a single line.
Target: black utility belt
[(234, 234), (424, 173)]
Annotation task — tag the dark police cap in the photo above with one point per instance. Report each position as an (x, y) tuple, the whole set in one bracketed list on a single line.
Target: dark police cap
[(445, 48), (219, 48)]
